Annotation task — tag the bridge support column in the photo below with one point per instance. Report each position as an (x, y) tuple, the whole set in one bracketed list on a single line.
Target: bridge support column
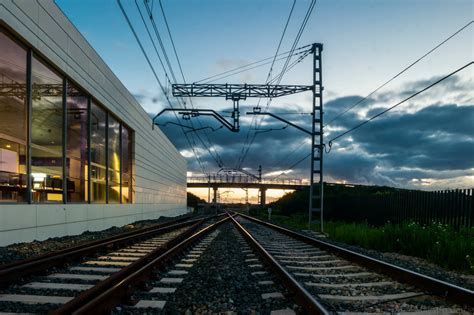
[(214, 200), (263, 196)]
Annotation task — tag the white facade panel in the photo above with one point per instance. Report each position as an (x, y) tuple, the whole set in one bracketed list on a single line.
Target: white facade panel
[(159, 171)]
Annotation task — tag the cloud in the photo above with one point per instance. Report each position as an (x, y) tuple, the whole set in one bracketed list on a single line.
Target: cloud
[(427, 142)]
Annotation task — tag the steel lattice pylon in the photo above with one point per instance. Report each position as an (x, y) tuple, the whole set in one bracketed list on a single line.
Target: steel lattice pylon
[(316, 188), (236, 92)]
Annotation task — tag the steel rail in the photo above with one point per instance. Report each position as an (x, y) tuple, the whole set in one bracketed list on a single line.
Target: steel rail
[(103, 297), (11, 272), (435, 286), (304, 298), (86, 244)]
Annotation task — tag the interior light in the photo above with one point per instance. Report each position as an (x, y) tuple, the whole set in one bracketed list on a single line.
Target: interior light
[(38, 177), (8, 146)]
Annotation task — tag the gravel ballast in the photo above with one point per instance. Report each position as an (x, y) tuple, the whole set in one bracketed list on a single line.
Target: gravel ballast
[(26, 250), (220, 282), (409, 262)]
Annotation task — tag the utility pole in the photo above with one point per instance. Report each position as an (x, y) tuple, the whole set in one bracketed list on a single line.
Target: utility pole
[(317, 144), (237, 92), (316, 188)]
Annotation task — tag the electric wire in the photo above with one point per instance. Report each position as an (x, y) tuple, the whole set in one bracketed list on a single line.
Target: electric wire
[(292, 166), (252, 68), (246, 148), (400, 103), (183, 103), (398, 74), (244, 152), (248, 65), (217, 157), (298, 147), (377, 115), (295, 43), (159, 82)]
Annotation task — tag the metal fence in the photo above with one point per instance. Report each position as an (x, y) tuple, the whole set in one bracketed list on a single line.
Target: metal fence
[(452, 207)]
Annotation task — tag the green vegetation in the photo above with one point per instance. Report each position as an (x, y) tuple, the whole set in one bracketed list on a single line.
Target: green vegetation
[(193, 200), (437, 243), (357, 215)]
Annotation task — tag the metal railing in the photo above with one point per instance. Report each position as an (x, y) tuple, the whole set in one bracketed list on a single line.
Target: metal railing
[(242, 179)]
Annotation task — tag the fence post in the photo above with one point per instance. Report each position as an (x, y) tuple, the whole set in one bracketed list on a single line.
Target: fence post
[(452, 207), (446, 206), (407, 205), (431, 206), (425, 207), (470, 208), (458, 209)]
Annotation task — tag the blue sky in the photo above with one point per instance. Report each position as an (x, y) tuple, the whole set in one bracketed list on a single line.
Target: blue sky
[(365, 43)]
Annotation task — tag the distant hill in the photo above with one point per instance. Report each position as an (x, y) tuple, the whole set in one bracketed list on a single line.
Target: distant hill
[(297, 201)]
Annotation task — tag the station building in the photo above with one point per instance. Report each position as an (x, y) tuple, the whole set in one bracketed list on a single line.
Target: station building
[(77, 151)]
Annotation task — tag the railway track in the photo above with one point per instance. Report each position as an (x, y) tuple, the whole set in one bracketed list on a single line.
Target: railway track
[(329, 279), (219, 274), (224, 264), (73, 274)]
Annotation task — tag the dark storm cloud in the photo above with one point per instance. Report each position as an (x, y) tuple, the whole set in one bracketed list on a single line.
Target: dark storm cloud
[(436, 141), (436, 137)]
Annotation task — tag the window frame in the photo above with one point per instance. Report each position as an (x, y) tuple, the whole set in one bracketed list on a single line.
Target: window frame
[(33, 52)]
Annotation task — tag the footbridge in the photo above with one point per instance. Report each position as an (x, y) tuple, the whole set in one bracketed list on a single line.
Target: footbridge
[(245, 182)]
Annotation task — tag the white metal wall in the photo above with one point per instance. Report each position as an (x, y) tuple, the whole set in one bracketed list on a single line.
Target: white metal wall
[(159, 169)]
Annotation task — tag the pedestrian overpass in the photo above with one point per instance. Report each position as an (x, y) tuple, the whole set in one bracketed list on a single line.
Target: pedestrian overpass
[(243, 181)]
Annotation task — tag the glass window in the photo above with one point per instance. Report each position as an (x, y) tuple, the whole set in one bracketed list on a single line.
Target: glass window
[(114, 160), (13, 121), (98, 154), (47, 134), (126, 165), (77, 133)]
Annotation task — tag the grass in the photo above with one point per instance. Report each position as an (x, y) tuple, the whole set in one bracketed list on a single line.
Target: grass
[(437, 243)]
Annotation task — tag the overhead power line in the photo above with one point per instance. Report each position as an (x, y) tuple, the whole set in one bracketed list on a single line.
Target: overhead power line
[(283, 71), (293, 165), (158, 80), (377, 115), (252, 68), (398, 74), (281, 40), (401, 102), (249, 64), (217, 157), (182, 103), (244, 151)]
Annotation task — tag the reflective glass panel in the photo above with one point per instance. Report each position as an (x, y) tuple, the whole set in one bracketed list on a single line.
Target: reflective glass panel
[(98, 154), (77, 132), (47, 133), (114, 160), (13, 121), (127, 192)]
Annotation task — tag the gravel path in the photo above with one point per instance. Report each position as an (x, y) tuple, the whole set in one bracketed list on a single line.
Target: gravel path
[(21, 251)]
